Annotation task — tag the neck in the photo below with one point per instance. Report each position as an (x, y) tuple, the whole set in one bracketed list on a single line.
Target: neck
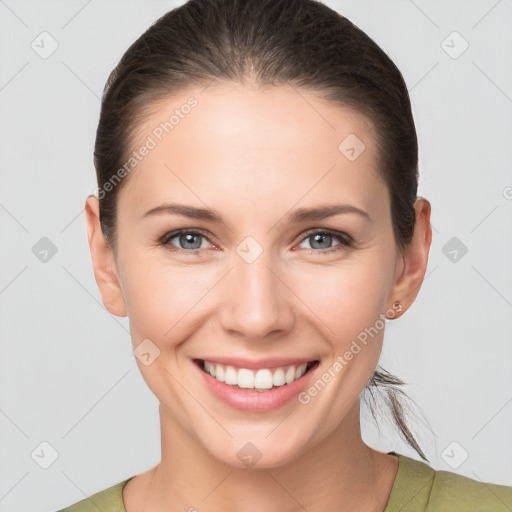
[(340, 473)]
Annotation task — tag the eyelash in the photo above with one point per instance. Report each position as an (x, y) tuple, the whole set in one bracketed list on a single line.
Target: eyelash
[(344, 239)]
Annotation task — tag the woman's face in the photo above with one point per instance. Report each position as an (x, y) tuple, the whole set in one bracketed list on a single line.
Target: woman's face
[(265, 287)]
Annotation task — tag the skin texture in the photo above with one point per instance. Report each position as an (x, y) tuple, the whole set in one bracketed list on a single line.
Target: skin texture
[(254, 155)]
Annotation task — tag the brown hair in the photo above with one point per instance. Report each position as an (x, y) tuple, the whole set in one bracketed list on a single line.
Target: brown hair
[(302, 43)]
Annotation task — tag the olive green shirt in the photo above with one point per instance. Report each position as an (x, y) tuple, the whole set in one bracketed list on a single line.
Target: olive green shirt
[(417, 487)]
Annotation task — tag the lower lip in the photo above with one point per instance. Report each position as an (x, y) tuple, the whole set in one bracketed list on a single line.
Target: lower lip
[(250, 400)]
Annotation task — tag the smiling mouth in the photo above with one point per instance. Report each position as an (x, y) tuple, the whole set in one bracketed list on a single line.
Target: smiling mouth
[(263, 379)]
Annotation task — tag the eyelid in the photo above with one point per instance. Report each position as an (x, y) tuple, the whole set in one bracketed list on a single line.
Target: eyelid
[(172, 234), (332, 232), (165, 239)]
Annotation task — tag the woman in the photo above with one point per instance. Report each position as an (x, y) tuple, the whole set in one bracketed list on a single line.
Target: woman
[(257, 220)]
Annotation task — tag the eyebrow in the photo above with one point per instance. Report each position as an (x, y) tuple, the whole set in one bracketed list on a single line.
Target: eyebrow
[(300, 215)]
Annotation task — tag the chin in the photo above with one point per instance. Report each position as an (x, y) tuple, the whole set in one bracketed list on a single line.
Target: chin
[(258, 451)]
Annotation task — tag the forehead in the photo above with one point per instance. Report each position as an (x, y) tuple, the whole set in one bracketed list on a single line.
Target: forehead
[(251, 144)]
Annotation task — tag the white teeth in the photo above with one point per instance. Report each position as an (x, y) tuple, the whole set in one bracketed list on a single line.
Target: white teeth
[(290, 375), (230, 376), (300, 371), (263, 379), (219, 373), (245, 378), (260, 380), (278, 378)]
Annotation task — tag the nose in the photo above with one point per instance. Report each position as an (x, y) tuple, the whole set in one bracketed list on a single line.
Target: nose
[(257, 303)]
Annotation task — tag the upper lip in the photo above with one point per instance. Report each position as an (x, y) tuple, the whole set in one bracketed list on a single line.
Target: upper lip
[(268, 362)]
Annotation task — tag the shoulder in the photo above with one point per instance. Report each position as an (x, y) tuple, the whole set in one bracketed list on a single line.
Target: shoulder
[(451, 489), (108, 500), (418, 487)]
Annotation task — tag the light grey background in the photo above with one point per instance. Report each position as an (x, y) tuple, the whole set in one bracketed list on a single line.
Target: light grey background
[(68, 375)]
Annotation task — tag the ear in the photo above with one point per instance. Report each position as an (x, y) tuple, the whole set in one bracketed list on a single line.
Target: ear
[(103, 261), (413, 262)]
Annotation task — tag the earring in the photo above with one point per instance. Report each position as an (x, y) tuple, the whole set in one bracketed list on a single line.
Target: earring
[(397, 308)]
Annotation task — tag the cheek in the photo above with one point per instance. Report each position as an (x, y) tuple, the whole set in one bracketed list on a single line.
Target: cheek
[(347, 300), (162, 299)]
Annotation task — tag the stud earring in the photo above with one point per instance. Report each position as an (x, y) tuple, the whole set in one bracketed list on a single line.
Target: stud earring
[(397, 308)]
